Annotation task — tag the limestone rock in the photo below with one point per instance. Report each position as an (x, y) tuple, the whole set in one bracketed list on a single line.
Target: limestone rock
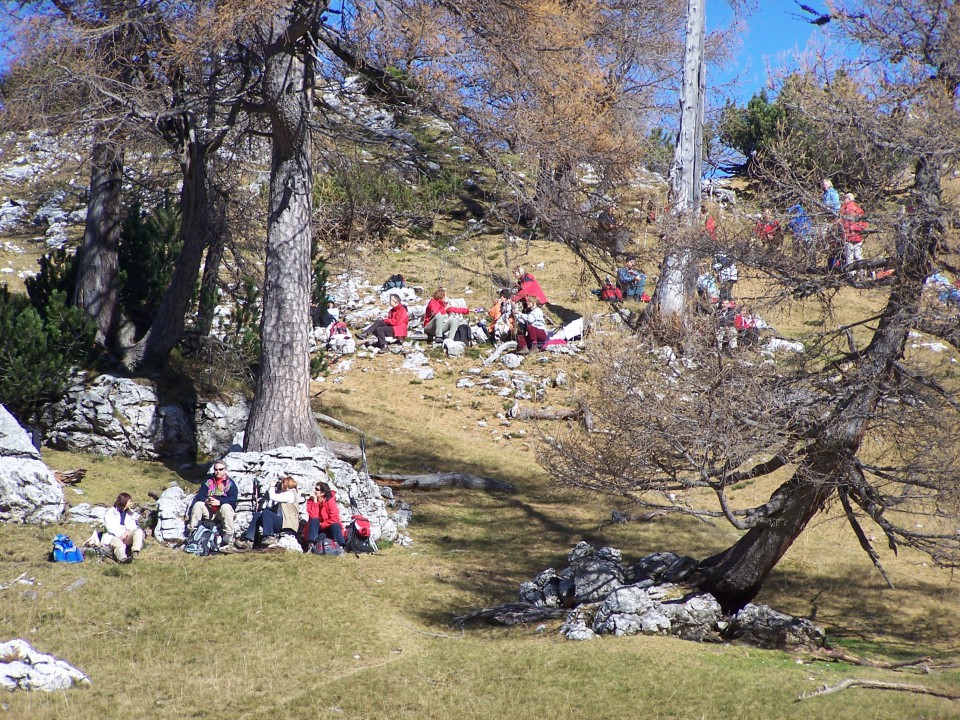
[(171, 509), (576, 627), (28, 490), (218, 424), (23, 668), (765, 627), (118, 416)]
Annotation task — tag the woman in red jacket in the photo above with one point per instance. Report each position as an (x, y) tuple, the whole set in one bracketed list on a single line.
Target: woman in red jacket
[(527, 286), (393, 325), (323, 515), (440, 318)]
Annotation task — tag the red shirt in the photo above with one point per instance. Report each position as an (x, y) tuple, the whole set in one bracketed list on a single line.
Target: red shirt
[(853, 226)]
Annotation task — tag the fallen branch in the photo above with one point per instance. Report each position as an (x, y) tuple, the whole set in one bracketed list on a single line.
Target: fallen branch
[(511, 614), (523, 413), (444, 479), (838, 655), (69, 477), (340, 425), (876, 685)]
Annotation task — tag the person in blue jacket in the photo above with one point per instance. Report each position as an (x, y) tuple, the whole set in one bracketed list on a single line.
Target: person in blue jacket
[(217, 499)]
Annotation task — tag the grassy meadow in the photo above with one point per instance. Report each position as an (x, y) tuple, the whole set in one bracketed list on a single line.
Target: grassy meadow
[(289, 636)]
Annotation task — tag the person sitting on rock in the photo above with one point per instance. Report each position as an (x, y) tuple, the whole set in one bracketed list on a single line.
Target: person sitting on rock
[(534, 333), (279, 513), (216, 499), (120, 531), (394, 325), (527, 286), (441, 318), (502, 326), (631, 281), (323, 516)]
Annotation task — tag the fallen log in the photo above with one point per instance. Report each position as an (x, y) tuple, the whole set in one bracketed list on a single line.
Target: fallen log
[(444, 479), (511, 614), (524, 413), (348, 452), (877, 685), (340, 425), (69, 477)]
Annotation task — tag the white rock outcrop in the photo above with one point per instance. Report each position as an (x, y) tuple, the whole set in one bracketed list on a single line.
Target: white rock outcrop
[(23, 668), (28, 490)]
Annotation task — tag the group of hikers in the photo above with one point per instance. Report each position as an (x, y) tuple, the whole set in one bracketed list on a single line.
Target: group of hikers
[(214, 504), (515, 314)]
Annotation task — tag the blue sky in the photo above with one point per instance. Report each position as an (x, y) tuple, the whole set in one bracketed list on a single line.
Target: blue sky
[(775, 32)]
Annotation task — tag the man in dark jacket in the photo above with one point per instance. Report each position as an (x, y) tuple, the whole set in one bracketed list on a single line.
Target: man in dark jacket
[(217, 499)]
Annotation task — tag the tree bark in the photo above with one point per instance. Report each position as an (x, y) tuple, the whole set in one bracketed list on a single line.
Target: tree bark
[(97, 289), (280, 413), (154, 348)]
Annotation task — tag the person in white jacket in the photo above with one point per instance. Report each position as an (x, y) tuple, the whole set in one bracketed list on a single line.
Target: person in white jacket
[(121, 533), (283, 499)]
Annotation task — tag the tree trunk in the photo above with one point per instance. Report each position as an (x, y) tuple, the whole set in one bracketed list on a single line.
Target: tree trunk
[(164, 333), (671, 297), (97, 289), (211, 274), (280, 413)]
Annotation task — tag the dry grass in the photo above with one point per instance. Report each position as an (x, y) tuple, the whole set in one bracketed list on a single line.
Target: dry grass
[(256, 635)]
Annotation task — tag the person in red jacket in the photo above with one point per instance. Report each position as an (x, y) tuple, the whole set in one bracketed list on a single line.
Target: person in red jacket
[(851, 221), (440, 318), (323, 515), (393, 325), (527, 286)]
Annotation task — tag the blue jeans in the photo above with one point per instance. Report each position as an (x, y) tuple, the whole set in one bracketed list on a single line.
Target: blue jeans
[(269, 521), (334, 532)]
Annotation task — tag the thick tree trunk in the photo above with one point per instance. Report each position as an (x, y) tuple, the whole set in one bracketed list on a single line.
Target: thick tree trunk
[(154, 348), (280, 413), (97, 289)]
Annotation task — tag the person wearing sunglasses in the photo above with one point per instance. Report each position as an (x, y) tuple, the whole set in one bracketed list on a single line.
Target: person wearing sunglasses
[(216, 499)]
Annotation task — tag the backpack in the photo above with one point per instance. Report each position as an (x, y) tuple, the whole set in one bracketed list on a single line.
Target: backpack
[(326, 546), (463, 334), (611, 293), (358, 536), (339, 328), (205, 540), (394, 281), (65, 551)]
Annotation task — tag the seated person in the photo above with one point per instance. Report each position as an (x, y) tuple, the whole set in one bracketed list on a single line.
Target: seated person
[(120, 531), (274, 517), (501, 313), (326, 314), (393, 325), (323, 516), (609, 292), (768, 230), (440, 318), (527, 286), (631, 281), (217, 499), (534, 333)]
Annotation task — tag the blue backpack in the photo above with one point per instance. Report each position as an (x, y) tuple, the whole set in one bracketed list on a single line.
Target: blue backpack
[(65, 551)]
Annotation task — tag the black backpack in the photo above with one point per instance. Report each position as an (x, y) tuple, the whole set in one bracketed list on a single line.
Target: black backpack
[(394, 281), (205, 540), (463, 334), (358, 539)]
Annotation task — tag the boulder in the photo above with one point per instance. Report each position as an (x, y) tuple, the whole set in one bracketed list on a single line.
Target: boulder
[(23, 668), (595, 573), (765, 627), (309, 466), (219, 423), (118, 416), (171, 512), (28, 490)]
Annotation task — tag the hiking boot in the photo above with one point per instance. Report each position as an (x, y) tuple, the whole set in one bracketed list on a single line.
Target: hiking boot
[(136, 554), (270, 541), (125, 560), (242, 544)]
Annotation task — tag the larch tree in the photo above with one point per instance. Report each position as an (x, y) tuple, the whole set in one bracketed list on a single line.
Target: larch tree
[(860, 422)]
